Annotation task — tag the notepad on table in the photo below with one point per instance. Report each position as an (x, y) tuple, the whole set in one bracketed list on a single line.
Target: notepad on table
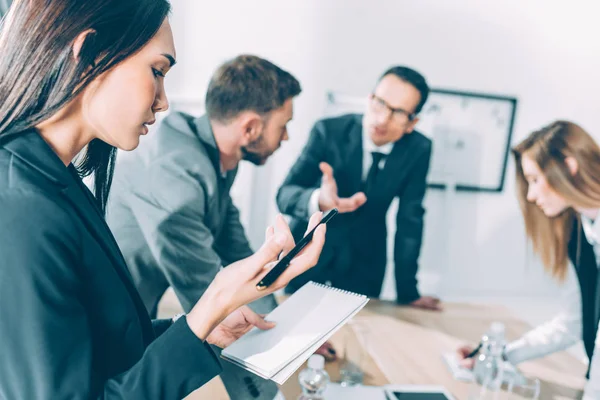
[(303, 323)]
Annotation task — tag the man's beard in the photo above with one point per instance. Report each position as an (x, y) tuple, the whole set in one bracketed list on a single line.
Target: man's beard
[(252, 156), (252, 152)]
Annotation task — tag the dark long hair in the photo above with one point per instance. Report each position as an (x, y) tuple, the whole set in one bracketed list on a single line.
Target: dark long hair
[(39, 75)]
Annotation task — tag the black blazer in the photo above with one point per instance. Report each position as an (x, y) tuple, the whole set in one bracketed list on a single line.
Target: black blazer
[(72, 324), (355, 254), (583, 258)]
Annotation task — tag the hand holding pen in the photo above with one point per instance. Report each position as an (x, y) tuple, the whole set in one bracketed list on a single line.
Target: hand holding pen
[(466, 355)]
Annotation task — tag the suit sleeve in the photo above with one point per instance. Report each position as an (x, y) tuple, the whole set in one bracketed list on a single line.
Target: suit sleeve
[(159, 326), (49, 343), (409, 229), (305, 176), (232, 244), (171, 214)]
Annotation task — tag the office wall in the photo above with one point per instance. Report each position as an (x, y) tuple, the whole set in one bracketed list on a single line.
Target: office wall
[(545, 53)]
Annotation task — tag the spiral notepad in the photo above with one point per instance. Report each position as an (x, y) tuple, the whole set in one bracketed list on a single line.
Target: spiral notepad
[(304, 322)]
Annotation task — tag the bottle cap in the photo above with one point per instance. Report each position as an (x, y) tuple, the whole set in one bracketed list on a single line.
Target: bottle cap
[(497, 328)]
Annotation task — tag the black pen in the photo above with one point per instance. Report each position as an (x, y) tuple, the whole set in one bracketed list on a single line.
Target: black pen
[(475, 351), (278, 269)]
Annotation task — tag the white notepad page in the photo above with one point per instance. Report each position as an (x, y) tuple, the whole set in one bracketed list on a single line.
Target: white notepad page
[(283, 375), (303, 322)]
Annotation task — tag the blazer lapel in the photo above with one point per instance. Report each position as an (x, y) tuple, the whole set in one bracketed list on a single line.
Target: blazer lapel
[(205, 135), (31, 148), (395, 167), (597, 299), (354, 159), (84, 202)]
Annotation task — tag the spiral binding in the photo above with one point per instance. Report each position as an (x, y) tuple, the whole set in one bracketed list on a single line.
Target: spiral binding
[(336, 289)]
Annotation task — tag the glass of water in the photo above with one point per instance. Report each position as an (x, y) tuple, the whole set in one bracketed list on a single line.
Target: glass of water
[(352, 371), (522, 387)]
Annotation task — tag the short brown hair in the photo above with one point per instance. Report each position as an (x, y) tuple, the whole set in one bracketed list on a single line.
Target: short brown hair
[(248, 83)]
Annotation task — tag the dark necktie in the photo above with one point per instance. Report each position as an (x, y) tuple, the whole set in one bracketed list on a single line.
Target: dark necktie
[(371, 181)]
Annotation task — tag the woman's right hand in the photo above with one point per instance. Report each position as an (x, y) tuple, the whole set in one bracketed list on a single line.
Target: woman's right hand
[(463, 352), (235, 285)]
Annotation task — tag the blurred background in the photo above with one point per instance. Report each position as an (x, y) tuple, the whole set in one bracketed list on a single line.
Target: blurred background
[(546, 54)]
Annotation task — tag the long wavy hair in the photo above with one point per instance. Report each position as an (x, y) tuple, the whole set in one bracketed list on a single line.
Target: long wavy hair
[(549, 148), (39, 75)]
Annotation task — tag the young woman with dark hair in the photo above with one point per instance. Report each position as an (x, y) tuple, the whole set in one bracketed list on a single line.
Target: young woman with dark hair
[(82, 77)]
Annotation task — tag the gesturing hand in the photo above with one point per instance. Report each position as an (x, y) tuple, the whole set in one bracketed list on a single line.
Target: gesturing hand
[(328, 195)]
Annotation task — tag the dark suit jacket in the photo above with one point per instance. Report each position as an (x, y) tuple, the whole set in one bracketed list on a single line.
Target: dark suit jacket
[(72, 324), (354, 257), (582, 256)]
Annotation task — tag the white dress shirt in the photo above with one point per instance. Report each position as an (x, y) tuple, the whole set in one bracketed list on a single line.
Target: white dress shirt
[(565, 329), (368, 148)]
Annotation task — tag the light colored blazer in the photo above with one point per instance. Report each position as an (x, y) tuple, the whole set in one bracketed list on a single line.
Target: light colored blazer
[(174, 220)]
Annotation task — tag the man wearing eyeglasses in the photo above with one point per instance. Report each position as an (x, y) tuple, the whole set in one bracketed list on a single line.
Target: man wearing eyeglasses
[(359, 164)]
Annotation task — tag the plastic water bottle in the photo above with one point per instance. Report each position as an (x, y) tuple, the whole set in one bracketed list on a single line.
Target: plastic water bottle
[(313, 379), (488, 369)]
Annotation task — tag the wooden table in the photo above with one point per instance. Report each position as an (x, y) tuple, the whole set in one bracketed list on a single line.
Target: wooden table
[(413, 354), (408, 344)]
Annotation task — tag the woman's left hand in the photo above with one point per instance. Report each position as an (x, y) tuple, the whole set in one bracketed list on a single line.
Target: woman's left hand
[(235, 325)]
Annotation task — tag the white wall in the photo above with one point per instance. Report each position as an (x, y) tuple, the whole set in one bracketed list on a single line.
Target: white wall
[(545, 53)]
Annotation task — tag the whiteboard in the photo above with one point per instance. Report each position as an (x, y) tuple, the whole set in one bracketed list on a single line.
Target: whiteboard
[(471, 134)]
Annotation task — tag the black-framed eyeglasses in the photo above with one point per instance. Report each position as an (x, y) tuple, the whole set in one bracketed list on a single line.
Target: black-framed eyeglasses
[(399, 115)]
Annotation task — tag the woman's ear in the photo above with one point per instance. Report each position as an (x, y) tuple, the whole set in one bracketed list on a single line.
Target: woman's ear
[(79, 41), (572, 165)]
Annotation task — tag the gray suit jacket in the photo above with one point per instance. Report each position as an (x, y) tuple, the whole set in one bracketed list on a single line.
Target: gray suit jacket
[(174, 220)]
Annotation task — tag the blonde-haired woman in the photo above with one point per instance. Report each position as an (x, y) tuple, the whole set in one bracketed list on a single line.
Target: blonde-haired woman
[(558, 186)]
